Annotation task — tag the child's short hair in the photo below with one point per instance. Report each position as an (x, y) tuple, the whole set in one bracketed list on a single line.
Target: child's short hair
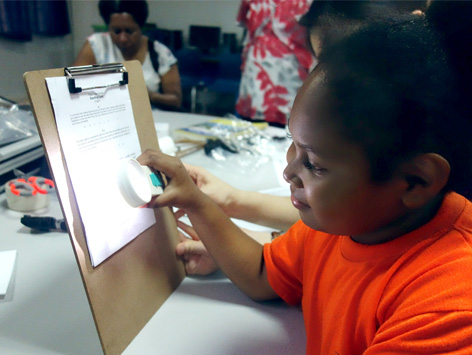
[(336, 19), (394, 93)]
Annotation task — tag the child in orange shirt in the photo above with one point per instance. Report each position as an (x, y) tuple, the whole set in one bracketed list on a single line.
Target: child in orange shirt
[(381, 260)]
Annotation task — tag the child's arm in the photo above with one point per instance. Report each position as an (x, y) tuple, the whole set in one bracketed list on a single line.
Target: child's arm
[(269, 210), (196, 258), (239, 256)]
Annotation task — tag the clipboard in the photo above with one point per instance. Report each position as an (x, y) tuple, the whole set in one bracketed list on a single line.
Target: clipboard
[(126, 289)]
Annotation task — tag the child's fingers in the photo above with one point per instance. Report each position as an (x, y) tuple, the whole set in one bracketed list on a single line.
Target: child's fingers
[(180, 188), (183, 237), (178, 214), (188, 229), (190, 247), (193, 172), (191, 267), (196, 258), (166, 164)]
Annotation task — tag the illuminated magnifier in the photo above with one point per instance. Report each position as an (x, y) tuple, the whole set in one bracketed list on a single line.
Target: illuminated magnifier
[(138, 183)]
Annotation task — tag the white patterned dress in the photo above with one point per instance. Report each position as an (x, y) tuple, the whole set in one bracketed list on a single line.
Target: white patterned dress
[(275, 59)]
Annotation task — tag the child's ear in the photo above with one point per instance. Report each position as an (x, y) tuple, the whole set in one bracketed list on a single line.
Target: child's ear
[(426, 175)]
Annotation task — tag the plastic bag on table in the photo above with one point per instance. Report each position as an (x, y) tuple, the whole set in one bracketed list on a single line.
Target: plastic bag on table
[(15, 124), (249, 149)]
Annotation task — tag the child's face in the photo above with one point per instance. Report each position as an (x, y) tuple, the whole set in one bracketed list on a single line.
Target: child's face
[(315, 41), (330, 176)]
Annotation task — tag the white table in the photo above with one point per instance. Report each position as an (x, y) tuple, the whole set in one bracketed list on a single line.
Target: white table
[(46, 311), (239, 172)]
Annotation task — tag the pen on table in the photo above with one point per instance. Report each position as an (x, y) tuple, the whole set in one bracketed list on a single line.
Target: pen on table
[(44, 223)]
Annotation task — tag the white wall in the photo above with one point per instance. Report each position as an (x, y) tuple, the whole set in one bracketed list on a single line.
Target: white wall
[(55, 52), (19, 57), (179, 14), (84, 13)]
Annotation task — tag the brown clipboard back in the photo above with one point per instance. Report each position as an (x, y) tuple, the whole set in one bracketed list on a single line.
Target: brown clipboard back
[(126, 289)]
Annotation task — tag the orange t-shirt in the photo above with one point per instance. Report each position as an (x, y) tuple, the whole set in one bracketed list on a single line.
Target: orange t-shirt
[(410, 295)]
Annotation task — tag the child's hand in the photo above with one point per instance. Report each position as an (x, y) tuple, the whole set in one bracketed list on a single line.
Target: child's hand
[(180, 191), (218, 190), (194, 254)]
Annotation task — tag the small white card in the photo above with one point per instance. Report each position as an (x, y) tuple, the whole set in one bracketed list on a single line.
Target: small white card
[(7, 263)]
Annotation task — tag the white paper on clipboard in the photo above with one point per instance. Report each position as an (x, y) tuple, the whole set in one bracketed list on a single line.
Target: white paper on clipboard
[(97, 129)]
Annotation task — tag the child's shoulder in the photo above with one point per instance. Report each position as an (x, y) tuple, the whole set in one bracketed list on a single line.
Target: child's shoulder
[(456, 211), (433, 275), (449, 232)]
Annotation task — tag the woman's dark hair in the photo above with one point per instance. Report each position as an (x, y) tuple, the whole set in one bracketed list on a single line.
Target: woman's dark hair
[(394, 93), (136, 8)]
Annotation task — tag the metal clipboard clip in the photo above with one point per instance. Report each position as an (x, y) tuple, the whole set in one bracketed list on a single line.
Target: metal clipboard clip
[(72, 72)]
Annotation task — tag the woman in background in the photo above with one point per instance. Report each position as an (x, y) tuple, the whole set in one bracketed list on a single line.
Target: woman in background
[(125, 41)]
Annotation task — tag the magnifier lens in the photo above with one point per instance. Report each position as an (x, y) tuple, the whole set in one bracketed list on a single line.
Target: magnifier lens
[(134, 184)]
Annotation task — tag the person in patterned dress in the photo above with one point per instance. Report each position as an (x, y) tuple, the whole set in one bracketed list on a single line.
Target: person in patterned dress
[(275, 59)]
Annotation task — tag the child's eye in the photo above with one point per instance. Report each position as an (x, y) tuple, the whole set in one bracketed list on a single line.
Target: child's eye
[(287, 132), (310, 166)]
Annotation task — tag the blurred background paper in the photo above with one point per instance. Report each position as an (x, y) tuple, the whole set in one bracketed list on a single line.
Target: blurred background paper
[(7, 262), (97, 130)]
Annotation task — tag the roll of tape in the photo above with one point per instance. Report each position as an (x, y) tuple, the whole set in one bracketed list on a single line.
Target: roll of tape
[(27, 199)]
